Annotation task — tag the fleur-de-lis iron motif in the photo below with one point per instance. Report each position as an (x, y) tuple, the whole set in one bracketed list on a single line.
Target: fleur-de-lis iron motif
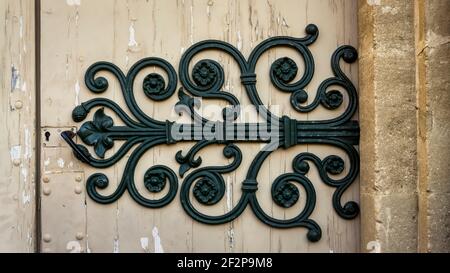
[(207, 183)]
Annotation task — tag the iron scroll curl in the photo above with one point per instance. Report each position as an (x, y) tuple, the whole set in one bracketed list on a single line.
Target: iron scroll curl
[(205, 79)]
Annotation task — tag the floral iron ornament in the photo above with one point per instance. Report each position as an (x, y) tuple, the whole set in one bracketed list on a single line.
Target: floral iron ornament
[(206, 81)]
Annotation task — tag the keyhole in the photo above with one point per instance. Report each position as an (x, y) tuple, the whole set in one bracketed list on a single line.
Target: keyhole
[(47, 136)]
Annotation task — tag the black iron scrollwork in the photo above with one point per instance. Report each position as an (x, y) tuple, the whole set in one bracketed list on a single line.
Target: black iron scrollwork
[(207, 184)]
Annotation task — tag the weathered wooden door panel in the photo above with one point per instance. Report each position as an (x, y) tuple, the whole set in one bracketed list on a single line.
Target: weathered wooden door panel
[(76, 34)]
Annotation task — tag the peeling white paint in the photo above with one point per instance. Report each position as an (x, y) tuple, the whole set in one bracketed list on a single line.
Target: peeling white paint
[(239, 40), (67, 67), (256, 32), (30, 237), (27, 141), (227, 85), (374, 2), (73, 2), (24, 87), (116, 245), (127, 61), (208, 11), (231, 237), (77, 17), (21, 27), (47, 161), (144, 244), (26, 198), (157, 241), (24, 172), (15, 152), (77, 93), (15, 78), (229, 194), (60, 163), (284, 23), (88, 250), (132, 40)]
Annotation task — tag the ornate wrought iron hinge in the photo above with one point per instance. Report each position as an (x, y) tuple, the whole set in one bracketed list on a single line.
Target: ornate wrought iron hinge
[(206, 81)]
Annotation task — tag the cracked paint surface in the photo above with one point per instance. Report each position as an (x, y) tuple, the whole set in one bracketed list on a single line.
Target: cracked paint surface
[(157, 241)]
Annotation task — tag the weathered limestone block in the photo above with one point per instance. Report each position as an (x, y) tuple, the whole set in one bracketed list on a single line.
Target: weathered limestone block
[(388, 125), (405, 133), (433, 85)]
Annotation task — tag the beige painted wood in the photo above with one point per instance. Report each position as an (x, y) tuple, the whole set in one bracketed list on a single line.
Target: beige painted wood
[(17, 112), (78, 33)]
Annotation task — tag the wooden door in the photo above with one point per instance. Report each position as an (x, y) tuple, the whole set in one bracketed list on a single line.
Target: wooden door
[(76, 34)]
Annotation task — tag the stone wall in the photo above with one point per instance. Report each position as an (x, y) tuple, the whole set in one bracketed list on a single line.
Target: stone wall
[(404, 99), (433, 92)]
